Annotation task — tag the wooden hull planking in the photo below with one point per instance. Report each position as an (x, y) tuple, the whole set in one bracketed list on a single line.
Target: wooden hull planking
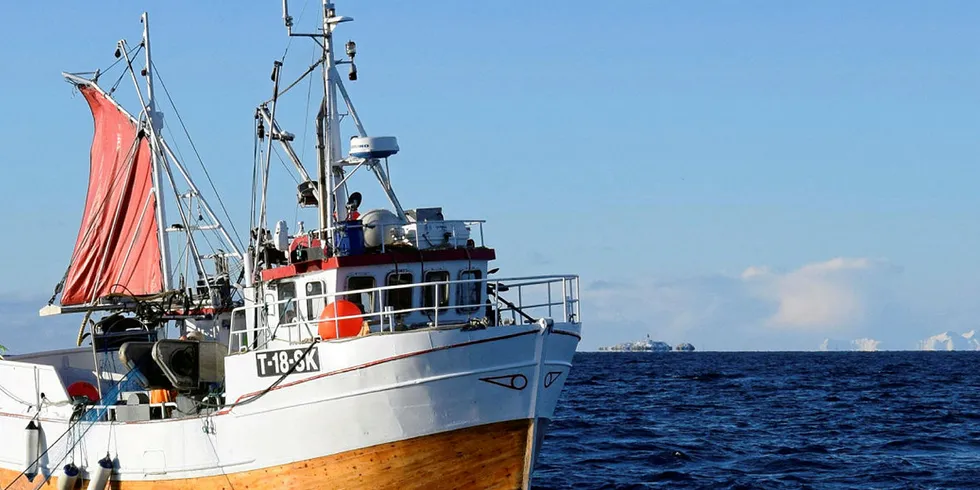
[(492, 456)]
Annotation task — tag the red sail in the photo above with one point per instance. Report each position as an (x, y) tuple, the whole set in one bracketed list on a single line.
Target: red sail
[(118, 249)]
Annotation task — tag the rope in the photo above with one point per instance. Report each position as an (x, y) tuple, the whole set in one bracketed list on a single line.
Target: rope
[(71, 448), (270, 388), (81, 329), (15, 398)]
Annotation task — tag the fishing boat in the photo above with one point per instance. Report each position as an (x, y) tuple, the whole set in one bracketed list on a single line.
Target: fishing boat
[(376, 349)]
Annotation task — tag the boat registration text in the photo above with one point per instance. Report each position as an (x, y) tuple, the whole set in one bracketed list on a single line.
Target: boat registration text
[(277, 363)]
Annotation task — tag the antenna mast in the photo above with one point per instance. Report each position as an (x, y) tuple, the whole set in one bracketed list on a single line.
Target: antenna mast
[(330, 170), (331, 181)]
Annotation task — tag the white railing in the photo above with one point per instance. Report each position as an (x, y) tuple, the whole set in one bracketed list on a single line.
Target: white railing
[(403, 230), (520, 300)]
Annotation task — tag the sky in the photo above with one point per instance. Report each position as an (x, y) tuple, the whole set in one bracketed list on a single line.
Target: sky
[(752, 175)]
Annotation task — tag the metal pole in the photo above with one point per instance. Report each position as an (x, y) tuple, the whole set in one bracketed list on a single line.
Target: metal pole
[(286, 145), (564, 300), (329, 122), (204, 202), (156, 126), (154, 141), (268, 159)]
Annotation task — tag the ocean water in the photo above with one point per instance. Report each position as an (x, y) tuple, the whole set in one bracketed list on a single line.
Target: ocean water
[(832, 420)]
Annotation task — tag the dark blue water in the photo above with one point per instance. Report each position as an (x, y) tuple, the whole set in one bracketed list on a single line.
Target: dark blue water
[(767, 420)]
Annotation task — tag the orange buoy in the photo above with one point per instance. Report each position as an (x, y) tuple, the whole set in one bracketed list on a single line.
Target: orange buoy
[(328, 328)]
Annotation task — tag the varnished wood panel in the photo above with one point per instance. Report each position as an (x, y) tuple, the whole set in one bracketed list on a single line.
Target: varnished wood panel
[(485, 457)]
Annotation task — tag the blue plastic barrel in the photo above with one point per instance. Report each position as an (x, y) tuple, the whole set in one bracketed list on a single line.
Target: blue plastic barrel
[(350, 238)]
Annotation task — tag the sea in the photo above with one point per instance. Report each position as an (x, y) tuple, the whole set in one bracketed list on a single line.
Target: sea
[(834, 420)]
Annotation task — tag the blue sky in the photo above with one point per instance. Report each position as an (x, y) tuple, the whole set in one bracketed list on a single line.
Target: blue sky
[(739, 175)]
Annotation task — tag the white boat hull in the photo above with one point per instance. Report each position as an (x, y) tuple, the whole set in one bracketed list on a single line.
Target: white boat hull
[(422, 392)]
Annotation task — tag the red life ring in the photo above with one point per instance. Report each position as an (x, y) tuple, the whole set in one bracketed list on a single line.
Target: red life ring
[(304, 241), (83, 388)]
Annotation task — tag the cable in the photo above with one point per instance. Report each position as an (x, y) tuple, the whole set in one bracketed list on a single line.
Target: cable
[(199, 159)]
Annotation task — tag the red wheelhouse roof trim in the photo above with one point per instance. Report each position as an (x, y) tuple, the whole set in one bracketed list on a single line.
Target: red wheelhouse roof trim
[(399, 257)]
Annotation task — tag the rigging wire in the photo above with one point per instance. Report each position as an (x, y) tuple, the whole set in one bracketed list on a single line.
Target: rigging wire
[(301, 77), (298, 20), (196, 153), (180, 258), (286, 167), (306, 117), (131, 54)]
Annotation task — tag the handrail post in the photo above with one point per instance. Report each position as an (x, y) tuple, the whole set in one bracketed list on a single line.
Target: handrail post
[(520, 301), (496, 295), (336, 323), (435, 302), (564, 300), (549, 299)]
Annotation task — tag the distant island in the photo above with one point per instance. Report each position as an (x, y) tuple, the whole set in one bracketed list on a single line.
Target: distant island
[(647, 346)]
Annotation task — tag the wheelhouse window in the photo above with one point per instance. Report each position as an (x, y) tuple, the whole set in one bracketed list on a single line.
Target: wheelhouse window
[(314, 305), (401, 298), (364, 301), (287, 302), (468, 293), (432, 294)]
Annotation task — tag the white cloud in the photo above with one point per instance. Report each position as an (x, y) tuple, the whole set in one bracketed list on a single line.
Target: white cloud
[(820, 296), (761, 308)]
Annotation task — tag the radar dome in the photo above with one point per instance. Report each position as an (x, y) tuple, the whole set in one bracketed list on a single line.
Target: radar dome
[(373, 146)]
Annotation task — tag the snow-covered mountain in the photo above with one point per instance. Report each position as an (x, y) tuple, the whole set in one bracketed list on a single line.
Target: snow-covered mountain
[(951, 341), (972, 340), (866, 345)]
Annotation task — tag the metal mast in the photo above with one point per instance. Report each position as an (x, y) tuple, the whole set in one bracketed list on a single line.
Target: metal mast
[(330, 171), (156, 125)]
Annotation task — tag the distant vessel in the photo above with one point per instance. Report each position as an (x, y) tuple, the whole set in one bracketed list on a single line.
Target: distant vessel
[(685, 347), (639, 346)]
